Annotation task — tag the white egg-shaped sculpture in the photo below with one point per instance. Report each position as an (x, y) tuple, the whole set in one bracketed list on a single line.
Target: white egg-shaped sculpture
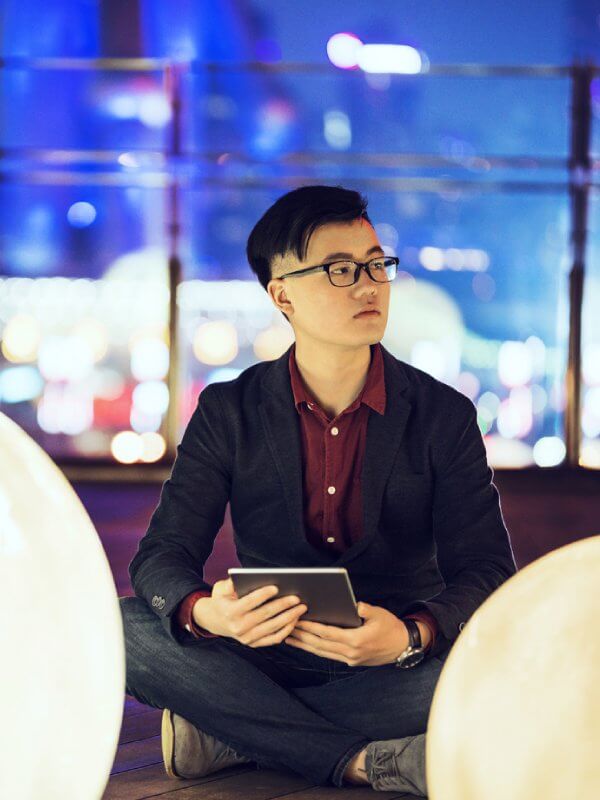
[(516, 710), (62, 654)]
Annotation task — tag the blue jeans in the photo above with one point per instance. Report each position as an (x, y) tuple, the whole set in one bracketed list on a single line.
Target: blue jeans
[(282, 707)]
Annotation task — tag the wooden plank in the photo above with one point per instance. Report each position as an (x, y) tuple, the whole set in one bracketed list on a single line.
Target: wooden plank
[(350, 793), (133, 706), (152, 781), (138, 754), (140, 726), (267, 784), (261, 784)]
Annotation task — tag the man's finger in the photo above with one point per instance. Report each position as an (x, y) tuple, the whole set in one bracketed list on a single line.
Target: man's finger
[(317, 649), (330, 632)]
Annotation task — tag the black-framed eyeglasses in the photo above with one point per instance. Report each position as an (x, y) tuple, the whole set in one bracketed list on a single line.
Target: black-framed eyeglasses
[(380, 269)]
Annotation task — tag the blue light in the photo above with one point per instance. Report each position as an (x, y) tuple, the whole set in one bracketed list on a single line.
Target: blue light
[(81, 214), (19, 384)]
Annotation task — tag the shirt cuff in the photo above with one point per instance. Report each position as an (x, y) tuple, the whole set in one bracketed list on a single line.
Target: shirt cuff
[(427, 619), (185, 619)]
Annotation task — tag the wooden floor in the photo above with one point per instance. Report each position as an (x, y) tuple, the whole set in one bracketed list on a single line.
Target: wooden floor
[(139, 772)]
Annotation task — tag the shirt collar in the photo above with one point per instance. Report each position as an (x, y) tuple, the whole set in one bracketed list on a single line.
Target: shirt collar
[(372, 394)]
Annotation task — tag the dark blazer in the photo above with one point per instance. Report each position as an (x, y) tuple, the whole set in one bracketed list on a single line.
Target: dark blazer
[(434, 536)]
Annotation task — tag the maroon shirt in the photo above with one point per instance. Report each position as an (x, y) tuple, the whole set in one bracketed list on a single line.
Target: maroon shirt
[(331, 480)]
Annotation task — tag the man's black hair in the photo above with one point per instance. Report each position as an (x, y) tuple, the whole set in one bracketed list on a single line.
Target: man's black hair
[(289, 223)]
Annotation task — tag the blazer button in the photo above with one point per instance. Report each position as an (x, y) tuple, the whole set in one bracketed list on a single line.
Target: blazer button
[(461, 626)]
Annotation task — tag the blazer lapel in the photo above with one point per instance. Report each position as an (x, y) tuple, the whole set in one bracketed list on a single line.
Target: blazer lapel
[(384, 435)]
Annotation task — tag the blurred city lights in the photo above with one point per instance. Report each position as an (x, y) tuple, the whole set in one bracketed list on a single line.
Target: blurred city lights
[(57, 330), (21, 339), (269, 343), (154, 110), (343, 50), (149, 359), (590, 454), (490, 402), (151, 397), (81, 214), (95, 334), (507, 452), (397, 58), (215, 342), (468, 384), (65, 409), (470, 260), (153, 446), (19, 384), (514, 363), (337, 130), (65, 358), (429, 357), (549, 451), (127, 447), (515, 414), (142, 422)]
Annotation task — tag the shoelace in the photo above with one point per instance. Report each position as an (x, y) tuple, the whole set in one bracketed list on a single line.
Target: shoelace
[(380, 763)]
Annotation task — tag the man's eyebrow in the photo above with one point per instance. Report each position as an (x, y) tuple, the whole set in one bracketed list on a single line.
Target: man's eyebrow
[(332, 256)]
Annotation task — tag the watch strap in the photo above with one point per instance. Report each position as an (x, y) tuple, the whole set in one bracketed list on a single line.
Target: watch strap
[(414, 634)]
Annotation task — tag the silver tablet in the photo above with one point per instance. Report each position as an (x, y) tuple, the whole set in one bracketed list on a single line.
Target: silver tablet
[(326, 591)]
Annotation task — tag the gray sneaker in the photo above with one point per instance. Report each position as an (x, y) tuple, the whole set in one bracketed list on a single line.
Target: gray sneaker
[(397, 764), (189, 752)]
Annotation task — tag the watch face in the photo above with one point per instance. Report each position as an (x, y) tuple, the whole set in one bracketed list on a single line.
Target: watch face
[(413, 658)]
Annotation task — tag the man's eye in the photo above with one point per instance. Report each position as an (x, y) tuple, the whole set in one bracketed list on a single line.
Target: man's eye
[(341, 269)]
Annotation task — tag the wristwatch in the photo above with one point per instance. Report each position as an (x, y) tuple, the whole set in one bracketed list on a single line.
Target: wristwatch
[(415, 652)]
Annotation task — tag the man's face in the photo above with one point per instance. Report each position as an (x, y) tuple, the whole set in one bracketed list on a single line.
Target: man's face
[(325, 312)]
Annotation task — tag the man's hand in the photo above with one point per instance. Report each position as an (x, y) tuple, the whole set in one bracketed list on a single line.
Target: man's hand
[(255, 619), (380, 640)]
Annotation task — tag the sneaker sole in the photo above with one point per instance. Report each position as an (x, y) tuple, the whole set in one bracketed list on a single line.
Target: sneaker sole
[(167, 737)]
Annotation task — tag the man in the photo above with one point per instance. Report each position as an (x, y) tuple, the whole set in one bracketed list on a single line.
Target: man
[(335, 454)]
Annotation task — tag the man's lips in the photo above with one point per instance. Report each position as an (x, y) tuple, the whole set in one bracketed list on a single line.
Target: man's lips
[(367, 312)]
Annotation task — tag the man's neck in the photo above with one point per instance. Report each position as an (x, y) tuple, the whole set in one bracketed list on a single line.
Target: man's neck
[(334, 378)]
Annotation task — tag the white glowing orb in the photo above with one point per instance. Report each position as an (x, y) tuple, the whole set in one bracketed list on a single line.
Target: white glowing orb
[(216, 342), (515, 363), (515, 415), (503, 452), (81, 214), (149, 359), (21, 338), (398, 58), (153, 446), (65, 358), (273, 341), (95, 334), (549, 451), (151, 397), (61, 636), (343, 50), (337, 129), (516, 710), (127, 447), (590, 453)]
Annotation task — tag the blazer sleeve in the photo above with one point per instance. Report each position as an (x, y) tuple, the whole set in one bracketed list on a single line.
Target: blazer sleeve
[(169, 562), (474, 553), (185, 618)]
